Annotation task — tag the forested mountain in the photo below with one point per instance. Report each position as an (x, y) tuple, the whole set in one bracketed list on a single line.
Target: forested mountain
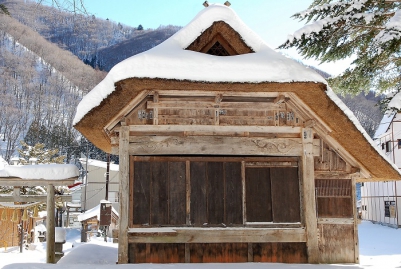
[(43, 75), (87, 36)]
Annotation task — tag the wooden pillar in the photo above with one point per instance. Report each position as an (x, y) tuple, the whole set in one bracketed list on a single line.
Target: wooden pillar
[(124, 195), (356, 238), (50, 231), (309, 201)]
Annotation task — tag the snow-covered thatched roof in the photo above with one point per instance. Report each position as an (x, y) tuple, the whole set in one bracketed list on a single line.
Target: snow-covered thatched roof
[(174, 66)]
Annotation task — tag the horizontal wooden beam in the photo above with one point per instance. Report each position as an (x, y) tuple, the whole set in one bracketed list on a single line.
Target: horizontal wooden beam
[(218, 235), (33, 198), (222, 93), (335, 221), (204, 145), (253, 106), (215, 129), (16, 181)]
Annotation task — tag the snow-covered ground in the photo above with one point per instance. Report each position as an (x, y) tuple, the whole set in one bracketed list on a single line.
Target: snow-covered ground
[(380, 247)]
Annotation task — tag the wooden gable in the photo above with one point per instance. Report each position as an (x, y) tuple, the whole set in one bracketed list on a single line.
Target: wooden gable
[(220, 39)]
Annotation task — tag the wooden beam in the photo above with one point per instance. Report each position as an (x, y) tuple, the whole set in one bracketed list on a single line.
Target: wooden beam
[(33, 198), (127, 109), (215, 235), (16, 181), (222, 93), (213, 129), (308, 196), (205, 145), (280, 99), (254, 106), (337, 221), (50, 226), (124, 195)]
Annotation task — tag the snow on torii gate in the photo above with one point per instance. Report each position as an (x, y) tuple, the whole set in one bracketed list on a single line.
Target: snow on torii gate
[(49, 175)]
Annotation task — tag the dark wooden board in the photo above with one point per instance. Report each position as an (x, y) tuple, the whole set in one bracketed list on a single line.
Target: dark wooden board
[(177, 197), (159, 193), (198, 193), (285, 194), (141, 197), (233, 190), (258, 199), (215, 192)]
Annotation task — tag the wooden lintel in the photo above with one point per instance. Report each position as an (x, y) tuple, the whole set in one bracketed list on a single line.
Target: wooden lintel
[(254, 106), (216, 145), (215, 129), (33, 198), (332, 175), (16, 181), (214, 93), (206, 235), (337, 221)]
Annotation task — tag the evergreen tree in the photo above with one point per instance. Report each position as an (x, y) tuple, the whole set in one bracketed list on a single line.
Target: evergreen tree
[(140, 27), (369, 30), (4, 10), (43, 155)]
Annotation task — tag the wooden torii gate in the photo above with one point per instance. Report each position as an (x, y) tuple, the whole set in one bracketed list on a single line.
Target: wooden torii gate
[(49, 199)]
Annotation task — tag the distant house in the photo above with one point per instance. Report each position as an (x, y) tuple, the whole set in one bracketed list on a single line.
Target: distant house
[(381, 200), (95, 189), (229, 151), (91, 219)]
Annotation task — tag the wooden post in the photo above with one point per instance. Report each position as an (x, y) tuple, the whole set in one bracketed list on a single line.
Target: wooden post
[(50, 232), (309, 201), (124, 195)]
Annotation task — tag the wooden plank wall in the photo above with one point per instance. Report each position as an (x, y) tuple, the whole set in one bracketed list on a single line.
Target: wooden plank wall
[(218, 252), (336, 244)]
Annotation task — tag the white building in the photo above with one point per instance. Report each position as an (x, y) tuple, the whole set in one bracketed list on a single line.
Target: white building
[(380, 201), (95, 188)]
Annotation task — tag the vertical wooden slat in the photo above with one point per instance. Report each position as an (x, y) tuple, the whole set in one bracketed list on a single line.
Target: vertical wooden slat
[(258, 195), (177, 193), (159, 193), (215, 192), (131, 191), (142, 183), (356, 239), (155, 110), (285, 194), (188, 192), (243, 185), (233, 193), (124, 193), (198, 193), (309, 202)]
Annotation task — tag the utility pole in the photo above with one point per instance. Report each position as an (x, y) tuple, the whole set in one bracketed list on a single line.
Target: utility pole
[(107, 177)]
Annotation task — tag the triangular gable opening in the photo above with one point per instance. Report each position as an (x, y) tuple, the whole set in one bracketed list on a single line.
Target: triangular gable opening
[(220, 39)]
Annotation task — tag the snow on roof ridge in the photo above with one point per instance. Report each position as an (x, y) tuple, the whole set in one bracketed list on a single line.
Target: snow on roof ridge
[(170, 60)]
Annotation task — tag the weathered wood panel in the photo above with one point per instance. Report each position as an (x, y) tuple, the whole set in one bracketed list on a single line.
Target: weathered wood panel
[(177, 196), (198, 193), (336, 244), (258, 195), (159, 193), (233, 193), (156, 253), (217, 253), (215, 192), (141, 199), (218, 145), (280, 252), (285, 194)]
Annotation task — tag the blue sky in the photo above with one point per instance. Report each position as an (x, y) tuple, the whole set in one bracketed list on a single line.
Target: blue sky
[(271, 19)]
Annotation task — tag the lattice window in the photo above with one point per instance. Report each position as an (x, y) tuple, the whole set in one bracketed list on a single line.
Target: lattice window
[(218, 50), (333, 188)]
